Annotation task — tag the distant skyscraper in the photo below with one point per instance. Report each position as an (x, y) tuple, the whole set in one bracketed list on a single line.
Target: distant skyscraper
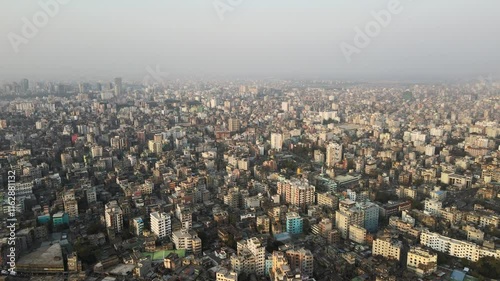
[(118, 86), (25, 85), (276, 141)]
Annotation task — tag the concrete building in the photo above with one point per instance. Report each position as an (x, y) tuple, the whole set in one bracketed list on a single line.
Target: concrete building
[(187, 240), (297, 192), (138, 226), (456, 248), (294, 223), (160, 224), (250, 257), (276, 141), (234, 124), (302, 260), (333, 154), (474, 234), (357, 234), (224, 274), (263, 224), (327, 199), (114, 216), (118, 86), (348, 215), (46, 259), (421, 261), (433, 206), (371, 215), (387, 247), (70, 204), (91, 194)]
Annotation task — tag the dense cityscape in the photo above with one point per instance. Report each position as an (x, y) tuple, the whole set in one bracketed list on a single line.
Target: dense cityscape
[(227, 180)]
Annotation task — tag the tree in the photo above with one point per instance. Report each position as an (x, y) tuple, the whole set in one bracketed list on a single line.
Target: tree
[(487, 267)]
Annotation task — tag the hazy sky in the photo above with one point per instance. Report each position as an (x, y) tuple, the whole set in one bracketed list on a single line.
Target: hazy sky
[(89, 39)]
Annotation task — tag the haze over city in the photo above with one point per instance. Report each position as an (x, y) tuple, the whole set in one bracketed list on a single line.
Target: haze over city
[(249, 140), (102, 39)]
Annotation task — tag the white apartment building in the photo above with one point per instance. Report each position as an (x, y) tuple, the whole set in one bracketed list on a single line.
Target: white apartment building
[(160, 224), (276, 141), (456, 248), (433, 206)]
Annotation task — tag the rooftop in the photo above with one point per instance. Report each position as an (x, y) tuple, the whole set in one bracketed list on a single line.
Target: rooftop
[(49, 256)]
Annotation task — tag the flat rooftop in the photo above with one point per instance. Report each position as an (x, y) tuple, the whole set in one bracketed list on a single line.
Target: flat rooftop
[(48, 256)]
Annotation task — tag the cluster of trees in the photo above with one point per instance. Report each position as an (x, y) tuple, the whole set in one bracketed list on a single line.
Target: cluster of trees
[(488, 267)]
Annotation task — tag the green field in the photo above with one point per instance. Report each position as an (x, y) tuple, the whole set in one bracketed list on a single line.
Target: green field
[(161, 254)]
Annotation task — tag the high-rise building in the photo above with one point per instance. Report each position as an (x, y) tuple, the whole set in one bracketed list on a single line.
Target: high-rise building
[(91, 194), (296, 192), (96, 151), (138, 226), (234, 124), (302, 260), (66, 160), (155, 147), (371, 215), (185, 216), (250, 257), (294, 223), (160, 224), (333, 154), (276, 141), (347, 215), (285, 106), (70, 204), (114, 216), (25, 85), (118, 86), (118, 142)]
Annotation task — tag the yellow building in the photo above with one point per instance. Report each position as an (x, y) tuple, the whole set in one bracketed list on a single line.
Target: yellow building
[(421, 261), (387, 247)]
